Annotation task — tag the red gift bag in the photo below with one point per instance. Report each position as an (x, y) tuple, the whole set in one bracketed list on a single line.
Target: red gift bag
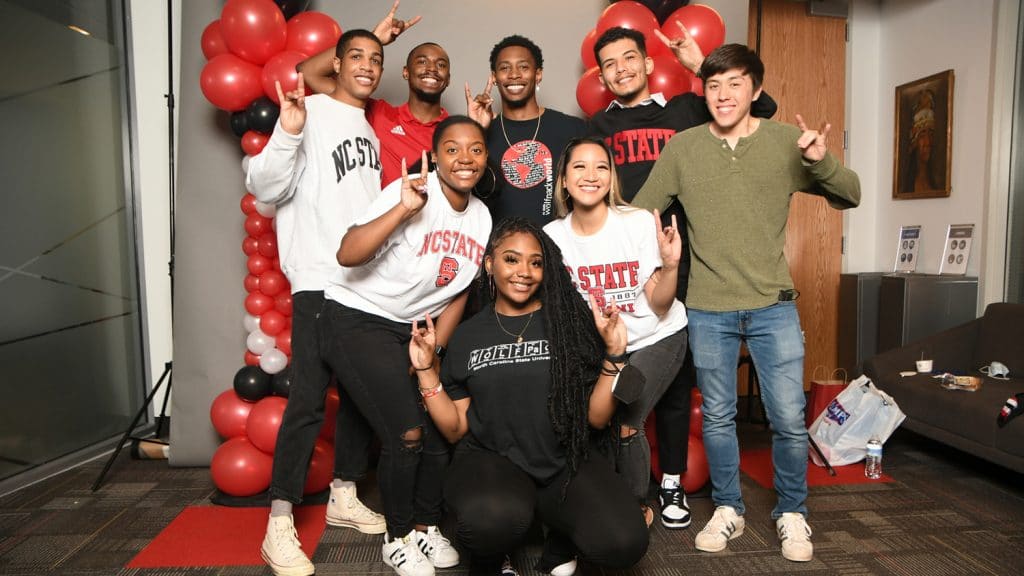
[(823, 390)]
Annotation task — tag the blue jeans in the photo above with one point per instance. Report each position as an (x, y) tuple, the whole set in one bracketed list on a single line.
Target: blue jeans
[(775, 342)]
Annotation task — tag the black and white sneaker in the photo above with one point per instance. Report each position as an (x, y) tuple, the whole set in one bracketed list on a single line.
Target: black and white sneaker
[(675, 512)]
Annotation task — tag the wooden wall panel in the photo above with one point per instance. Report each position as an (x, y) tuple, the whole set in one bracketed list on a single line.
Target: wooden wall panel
[(805, 71)]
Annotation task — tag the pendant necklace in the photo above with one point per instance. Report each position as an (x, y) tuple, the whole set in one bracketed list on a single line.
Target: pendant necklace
[(518, 337)]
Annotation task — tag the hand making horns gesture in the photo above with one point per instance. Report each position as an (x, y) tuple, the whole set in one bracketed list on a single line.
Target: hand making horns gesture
[(610, 326), (414, 190), (812, 142), (390, 28), (293, 107), (670, 242), (422, 345), (479, 107), (685, 48)]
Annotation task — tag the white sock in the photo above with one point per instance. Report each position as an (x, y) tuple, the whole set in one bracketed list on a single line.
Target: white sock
[(280, 508), (670, 481), (339, 483)]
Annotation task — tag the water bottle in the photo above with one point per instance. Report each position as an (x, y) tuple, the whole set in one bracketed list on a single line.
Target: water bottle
[(873, 463)]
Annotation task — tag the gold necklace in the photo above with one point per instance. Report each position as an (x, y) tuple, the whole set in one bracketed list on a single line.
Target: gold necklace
[(501, 120), (518, 337)]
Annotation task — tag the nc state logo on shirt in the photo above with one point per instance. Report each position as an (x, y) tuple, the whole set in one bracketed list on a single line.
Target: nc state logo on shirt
[(447, 271), (526, 164)]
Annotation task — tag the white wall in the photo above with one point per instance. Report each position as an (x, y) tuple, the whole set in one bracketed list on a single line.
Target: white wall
[(149, 82), (897, 41)]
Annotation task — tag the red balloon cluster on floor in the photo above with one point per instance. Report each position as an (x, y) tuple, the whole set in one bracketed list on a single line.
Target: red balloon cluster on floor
[(697, 473), (668, 77), (252, 46)]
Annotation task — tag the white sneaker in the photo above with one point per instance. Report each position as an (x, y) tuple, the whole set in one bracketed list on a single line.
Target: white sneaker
[(565, 568), (507, 569), (724, 525), (405, 557), (282, 551), (795, 536), (345, 509), (437, 548)]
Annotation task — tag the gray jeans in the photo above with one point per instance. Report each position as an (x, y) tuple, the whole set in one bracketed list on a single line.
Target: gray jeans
[(659, 364)]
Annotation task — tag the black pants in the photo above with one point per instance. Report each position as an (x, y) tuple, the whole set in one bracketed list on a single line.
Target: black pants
[(672, 419), (494, 502), (370, 355), (304, 414)]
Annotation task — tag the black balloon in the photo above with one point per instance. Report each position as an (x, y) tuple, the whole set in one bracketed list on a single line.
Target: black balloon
[(239, 123), (281, 383), (261, 115), (662, 9), (291, 7), (252, 384)]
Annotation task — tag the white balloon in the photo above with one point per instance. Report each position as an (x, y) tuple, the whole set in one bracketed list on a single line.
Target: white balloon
[(245, 164), (273, 361), (266, 210), (258, 342), (251, 322)]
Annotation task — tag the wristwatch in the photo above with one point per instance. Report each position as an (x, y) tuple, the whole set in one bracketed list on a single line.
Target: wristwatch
[(440, 351)]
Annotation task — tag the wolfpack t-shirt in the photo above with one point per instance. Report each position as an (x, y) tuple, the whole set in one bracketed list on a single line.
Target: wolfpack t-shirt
[(524, 155), (509, 384)]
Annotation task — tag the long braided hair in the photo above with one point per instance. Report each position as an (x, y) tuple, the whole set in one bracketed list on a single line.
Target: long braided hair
[(576, 347)]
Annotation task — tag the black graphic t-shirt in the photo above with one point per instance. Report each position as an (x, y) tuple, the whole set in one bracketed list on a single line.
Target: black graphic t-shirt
[(508, 383), (525, 171)]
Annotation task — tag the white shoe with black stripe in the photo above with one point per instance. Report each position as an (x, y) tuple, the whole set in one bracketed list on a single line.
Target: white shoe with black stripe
[(437, 548), (405, 556), (725, 524)]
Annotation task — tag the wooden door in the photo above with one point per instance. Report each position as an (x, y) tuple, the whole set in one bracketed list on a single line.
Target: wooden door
[(805, 72)]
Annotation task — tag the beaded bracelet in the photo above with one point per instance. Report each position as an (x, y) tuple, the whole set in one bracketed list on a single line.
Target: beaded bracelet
[(431, 392)]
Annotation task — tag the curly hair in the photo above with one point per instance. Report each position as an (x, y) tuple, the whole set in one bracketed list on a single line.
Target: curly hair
[(521, 41), (576, 347)]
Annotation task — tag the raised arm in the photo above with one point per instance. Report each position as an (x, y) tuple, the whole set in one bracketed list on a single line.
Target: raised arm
[(660, 288), (479, 107), (319, 71), (838, 184), (613, 332), (272, 172), (361, 242), (685, 48), (449, 415)]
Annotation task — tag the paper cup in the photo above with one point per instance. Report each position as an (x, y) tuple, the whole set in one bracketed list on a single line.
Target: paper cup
[(924, 366)]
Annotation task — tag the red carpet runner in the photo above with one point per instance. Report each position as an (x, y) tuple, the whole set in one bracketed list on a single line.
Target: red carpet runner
[(758, 465)]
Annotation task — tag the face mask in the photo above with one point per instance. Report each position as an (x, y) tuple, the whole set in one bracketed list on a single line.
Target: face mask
[(996, 370)]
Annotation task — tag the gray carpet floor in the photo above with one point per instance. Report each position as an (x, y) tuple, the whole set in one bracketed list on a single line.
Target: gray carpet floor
[(946, 514)]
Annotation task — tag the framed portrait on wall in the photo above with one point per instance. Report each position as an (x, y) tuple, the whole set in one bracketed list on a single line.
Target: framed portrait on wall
[(923, 150)]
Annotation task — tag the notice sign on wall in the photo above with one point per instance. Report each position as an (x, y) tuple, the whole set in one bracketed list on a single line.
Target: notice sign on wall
[(958, 249), (906, 250)]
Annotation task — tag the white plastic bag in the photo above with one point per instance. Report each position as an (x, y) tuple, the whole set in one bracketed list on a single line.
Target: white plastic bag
[(858, 413)]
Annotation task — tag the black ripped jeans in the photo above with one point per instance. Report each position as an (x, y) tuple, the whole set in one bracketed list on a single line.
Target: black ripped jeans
[(370, 356)]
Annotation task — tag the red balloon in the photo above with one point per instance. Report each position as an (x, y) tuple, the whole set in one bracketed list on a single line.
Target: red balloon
[(240, 469), (228, 413), (703, 22), (264, 421), (268, 244), (696, 420), (591, 94), (230, 83), (273, 322), (257, 225), (587, 49), (311, 33), (257, 303), (697, 86), (669, 77), (258, 265), (281, 68), (697, 472), (254, 30), (253, 142), (283, 303), (321, 467), (283, 340), (251, 359), (628, 14), (250, 245), (272, 283), (212, 40), (331, 403), (248, 204), (251, 283)]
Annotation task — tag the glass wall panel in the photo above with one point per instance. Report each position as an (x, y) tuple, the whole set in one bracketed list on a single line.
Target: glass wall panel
[(70, 354)]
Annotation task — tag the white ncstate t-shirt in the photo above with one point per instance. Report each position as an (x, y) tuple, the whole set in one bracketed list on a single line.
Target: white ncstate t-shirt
[(423, 265), (614, 264)]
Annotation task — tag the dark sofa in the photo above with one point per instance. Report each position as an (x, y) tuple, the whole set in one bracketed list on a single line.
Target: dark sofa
[(964, 420)]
